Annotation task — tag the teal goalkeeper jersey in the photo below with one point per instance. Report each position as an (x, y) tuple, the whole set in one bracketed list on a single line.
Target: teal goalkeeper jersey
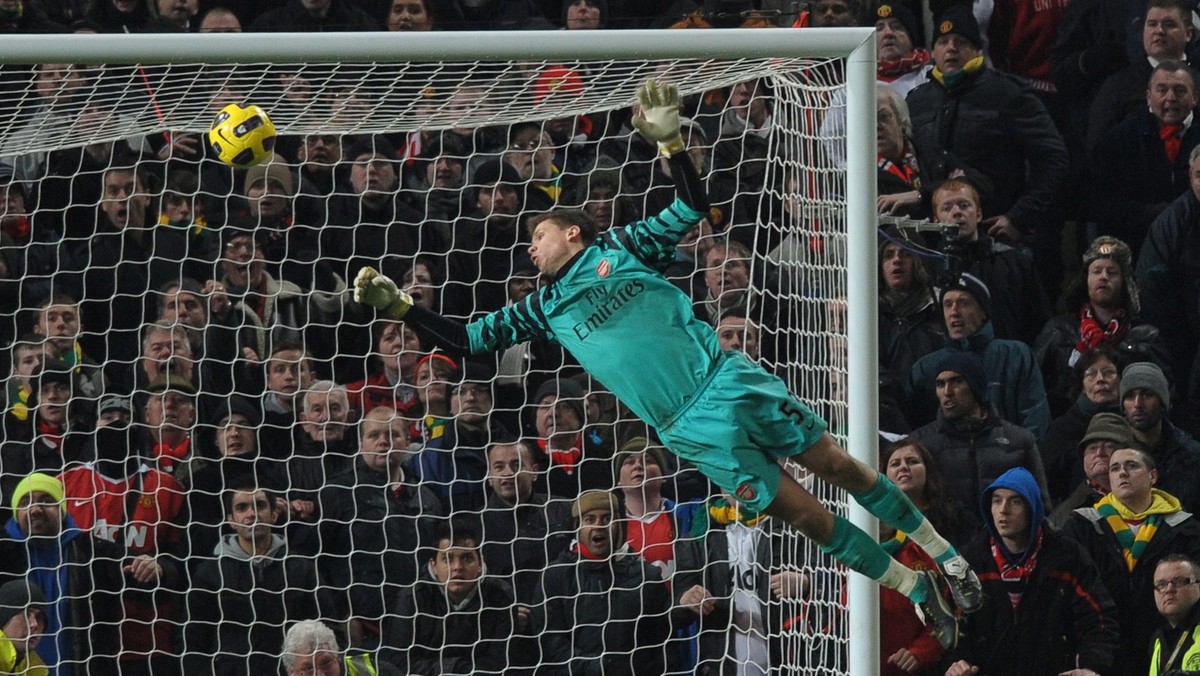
[(612, 308)]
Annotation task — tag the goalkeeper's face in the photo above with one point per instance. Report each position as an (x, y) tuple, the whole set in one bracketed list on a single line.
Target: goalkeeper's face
[(553, 245)]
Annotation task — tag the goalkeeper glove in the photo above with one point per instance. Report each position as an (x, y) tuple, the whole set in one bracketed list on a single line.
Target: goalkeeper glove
[(380, 292), (657, 119)]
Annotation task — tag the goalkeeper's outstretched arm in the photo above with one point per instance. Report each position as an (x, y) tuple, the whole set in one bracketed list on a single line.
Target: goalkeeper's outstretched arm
[(380, 292), (657, 120)]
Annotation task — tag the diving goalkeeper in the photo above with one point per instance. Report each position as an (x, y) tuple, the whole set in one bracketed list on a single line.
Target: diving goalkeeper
[(610, 306)]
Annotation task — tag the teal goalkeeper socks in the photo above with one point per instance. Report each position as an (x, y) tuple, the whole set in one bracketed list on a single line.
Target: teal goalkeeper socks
[(890, 505), (860, 553)]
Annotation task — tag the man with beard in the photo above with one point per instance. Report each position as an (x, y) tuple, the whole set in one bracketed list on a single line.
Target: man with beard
[(485, 242), (1146, 399)]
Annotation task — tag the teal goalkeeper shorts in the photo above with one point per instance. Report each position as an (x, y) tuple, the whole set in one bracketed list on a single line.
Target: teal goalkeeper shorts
[(738, 426)]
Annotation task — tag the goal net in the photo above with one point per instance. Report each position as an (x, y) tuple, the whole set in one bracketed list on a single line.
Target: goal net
[(163, 307)]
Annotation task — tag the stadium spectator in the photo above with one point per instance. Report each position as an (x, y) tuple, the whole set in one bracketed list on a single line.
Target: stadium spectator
[(119, 498), (1103, 304), (241, 600), (653, 523), (531, 152), (169, 419), (280, 306), (288, 372), (1097, 377), (423, 281), (573, 455), (166, 351), (906, 644), (236, 425), (87, 577), (1150, 147), (898, 174), (454, 620), (584, 15), (1090, 47), (1106, 433), (26, 355), (22, 621), (482, 253), (522, 530), (126, 16), (315, 15), (324, 448), (56, 319), (1046, 611), (17, 17), (220, 20), (225, 338), (1018, 307), (601, 194), (1166, 31), (501, 15), (736, 332), (731, 573), (375, 518), (386, 228), (1127, 561), (971, 443), (454, 466), (439, 177), (1146, 399), (431, 379), (1174, 644), (180, 13), (1168, 281), (727, 277), (397, 348), (902, 61), (420, 15), (717, 14), (289, 247), (910, 321), (53, 437), (310, 647), (1014, 385), (996, 129), (318, 158), (621, 625)]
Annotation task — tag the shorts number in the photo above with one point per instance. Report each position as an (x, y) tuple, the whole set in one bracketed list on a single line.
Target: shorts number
[(792, 411)]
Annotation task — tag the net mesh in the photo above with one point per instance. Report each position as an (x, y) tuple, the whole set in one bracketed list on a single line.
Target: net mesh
[(114, 199)]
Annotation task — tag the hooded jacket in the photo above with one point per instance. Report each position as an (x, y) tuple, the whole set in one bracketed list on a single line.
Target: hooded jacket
[(1063, 616)]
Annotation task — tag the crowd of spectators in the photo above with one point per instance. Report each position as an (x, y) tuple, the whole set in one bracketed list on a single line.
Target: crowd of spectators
[(213, 461)]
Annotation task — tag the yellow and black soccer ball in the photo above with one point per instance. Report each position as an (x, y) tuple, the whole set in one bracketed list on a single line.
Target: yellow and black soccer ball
[(242, 135)]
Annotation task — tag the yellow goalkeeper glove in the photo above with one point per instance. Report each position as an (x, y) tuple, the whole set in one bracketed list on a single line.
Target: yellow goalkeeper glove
[(657, 119), (380, 292)]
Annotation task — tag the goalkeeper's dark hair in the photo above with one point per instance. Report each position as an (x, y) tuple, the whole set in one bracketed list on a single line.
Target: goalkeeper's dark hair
[(565, 218)]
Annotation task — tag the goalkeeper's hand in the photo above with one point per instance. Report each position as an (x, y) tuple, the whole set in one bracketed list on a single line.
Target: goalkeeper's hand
[(380, 292), (657, 119)]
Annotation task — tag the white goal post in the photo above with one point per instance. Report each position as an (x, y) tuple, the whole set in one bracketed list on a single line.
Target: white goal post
[(696, 60)]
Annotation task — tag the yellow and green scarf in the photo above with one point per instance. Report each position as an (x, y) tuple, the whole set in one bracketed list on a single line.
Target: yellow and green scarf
[(724, 512), (955, 79), (1118, 516)]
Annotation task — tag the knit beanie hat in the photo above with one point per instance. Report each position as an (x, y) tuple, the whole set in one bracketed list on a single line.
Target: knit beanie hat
[(567, 391), (1109, 427), (974, 286), (654, 453), (969, 368), (590, 500), (1147, 376), (1119, 253), (37, 482), (18, 595), (896, 10), (958, 20)]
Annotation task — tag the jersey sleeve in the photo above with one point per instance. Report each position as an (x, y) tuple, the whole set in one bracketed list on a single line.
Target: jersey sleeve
[(653, 240), (510, 326)]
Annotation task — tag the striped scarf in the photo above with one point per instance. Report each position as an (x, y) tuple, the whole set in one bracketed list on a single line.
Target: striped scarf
[(1119, 517)]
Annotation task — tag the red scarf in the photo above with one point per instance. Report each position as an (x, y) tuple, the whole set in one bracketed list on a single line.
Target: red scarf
[(567, 459), (1172, 138), (889, 70), (1015, 575), (166, 454), (907, 173), (1092, 335), (51, 433), (17, 228), (582, 550)]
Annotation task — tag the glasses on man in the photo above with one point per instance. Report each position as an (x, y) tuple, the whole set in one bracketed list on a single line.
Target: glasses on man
[(1176, 582)]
